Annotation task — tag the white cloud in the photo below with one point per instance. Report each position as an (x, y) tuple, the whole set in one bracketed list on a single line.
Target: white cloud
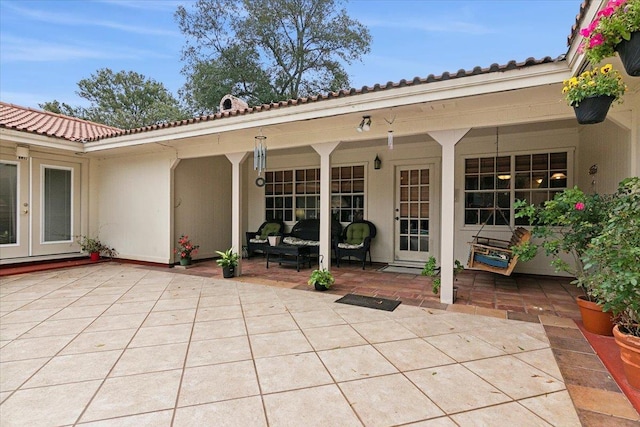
[(17, 49), (76, 20)]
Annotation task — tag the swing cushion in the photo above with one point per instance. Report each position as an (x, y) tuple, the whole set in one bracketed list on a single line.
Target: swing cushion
[(492, 260)]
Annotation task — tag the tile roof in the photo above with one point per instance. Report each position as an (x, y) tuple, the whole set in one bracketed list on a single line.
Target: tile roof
[(51, 124), (15, 117), (511, 65), (578, 24)]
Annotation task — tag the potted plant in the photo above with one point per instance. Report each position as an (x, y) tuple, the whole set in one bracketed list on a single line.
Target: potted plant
[(186, 249), (614, 258), (94, 247), (228, 261), (592, 92), (321, 279), (616, 28), (563, 227), (432, 271)]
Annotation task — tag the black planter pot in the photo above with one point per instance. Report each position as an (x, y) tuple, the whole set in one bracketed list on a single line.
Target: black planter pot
[(629, 52), (320, 287), (593, 109), (228, 272)]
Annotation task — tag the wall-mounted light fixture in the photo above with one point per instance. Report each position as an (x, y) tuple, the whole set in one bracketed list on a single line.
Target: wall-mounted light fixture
[(365, 124), (22, 153), (377, 163)]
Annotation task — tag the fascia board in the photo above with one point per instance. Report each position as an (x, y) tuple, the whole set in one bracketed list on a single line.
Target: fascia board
[(20, 137), (539, 75)]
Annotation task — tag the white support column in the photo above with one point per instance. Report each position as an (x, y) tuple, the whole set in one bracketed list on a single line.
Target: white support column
[(236, 160), (325, 150), (448, 140)]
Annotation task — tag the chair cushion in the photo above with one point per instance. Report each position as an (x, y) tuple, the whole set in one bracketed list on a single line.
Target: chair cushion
[(350, 246), (258, 240), (270, 227), (289, 240), (356, 233)]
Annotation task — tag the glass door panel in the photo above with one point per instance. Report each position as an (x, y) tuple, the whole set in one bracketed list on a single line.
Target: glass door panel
[(14, 209), (412, 213)]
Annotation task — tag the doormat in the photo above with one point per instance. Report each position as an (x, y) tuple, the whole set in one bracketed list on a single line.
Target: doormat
[(399, 269), (369, 302)]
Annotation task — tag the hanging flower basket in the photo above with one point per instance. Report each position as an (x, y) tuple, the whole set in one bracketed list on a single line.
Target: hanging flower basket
[(629, 51), (593, 109)]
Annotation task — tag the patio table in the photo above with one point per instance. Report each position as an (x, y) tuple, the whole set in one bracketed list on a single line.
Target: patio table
[(289, 254)]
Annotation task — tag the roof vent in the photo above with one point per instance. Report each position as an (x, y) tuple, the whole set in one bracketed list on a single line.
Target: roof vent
[(230, 103)]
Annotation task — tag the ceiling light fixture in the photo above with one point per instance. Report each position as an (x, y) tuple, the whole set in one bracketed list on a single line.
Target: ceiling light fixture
[(365, 124)]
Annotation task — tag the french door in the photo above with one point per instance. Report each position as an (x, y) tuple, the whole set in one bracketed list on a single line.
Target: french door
[(39, 207), (412, 213)]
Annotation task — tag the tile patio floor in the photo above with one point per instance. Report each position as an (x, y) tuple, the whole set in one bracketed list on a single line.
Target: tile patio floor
[(117, 344)]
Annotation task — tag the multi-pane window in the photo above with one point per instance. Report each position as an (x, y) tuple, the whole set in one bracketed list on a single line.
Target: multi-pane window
[(347, 193), (292, 195), (493, 182), (307, 193)]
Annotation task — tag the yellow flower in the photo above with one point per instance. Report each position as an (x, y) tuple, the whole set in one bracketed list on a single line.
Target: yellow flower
[(606, 68), (565, 89), (592, 83), (585, 74), (573, 82)]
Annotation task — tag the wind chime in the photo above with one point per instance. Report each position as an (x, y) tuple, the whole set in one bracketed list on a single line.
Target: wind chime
[(260, 157), (390, 132)]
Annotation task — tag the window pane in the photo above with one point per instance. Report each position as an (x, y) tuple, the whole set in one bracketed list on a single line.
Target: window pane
[(57, 205), (8, 203)]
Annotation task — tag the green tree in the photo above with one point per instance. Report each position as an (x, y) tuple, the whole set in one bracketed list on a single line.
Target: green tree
[(125, 100), (266, 50)]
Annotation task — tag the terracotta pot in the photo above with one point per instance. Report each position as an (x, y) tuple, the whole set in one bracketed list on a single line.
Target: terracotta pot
[(630, 355), (594, 319), (593, 109), (94, 256), (629, 52)]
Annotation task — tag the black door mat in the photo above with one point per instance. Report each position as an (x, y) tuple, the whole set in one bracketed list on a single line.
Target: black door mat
[(369, 302)]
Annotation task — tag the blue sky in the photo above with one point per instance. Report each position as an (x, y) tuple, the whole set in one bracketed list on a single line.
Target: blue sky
[(46, 47)]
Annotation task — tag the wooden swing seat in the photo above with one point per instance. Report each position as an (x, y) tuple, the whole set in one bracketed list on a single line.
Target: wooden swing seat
[(495, 255)]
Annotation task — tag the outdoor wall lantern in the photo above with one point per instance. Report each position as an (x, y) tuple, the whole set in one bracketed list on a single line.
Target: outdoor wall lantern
[(365, 124), (377, 163)]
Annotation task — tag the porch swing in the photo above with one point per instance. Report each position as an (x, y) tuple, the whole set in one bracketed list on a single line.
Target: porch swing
[(495, 255)]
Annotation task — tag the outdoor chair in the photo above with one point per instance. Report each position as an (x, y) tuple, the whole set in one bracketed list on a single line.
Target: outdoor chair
[(356, 242), (258, 240)]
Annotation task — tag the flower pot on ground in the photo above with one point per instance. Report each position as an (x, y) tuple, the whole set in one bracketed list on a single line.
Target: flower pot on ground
[(630, 355), (613, 258), (321, 279), (629, 51), (228, 261), (186, 249), (594, 319), (614, 24), (592, 93), (94, 247)]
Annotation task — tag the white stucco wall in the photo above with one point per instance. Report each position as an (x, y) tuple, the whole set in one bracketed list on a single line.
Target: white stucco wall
[(133, 205), (202, 203), (608, 146)]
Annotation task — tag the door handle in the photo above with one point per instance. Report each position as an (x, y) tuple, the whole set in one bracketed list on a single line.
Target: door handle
[(397, 218)]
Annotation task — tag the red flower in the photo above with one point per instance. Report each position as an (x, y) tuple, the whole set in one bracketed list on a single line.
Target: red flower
[(580, 206)]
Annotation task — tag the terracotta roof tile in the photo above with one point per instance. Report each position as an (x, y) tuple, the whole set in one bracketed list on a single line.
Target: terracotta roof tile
[(51, 124), (578, 24)]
